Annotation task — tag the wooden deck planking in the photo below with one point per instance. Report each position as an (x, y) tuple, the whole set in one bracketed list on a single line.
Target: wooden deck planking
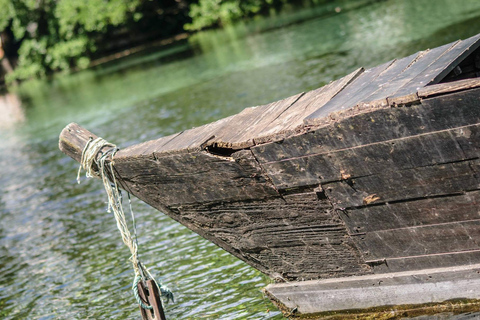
[(421, 63), (432, 114), (437, 70), (343, 100), (149, 147), (293, 117), (402, 70), (439, 147), (248, 123), (195, 139)]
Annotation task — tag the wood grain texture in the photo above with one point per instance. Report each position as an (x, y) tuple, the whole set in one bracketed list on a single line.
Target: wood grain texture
[(73, 139), (250, 122), (195, 177), (433, 114), (448, 87), (415, 213), (438, 69), (295, 237), (444, 146), (427, 261), (421, 182), (368, 185), (291, 121), (351, 94), (420, 240)]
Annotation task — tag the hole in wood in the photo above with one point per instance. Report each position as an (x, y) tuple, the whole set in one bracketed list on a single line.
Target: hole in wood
[(220, 151)]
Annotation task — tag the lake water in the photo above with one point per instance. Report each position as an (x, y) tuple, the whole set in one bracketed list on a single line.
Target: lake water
[(61, 254)]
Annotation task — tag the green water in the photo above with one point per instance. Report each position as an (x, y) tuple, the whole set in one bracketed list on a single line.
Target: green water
[(61, 254)]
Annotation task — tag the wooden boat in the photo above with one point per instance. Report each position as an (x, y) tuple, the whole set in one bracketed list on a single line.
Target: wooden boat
[(372, 179)]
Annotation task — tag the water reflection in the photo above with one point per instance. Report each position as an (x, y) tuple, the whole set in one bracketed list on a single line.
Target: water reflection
[(11, 111)]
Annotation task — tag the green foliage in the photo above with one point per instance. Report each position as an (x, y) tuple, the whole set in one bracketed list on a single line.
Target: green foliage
[(63, 35), (209, 13), (92, 15), (60, 35)]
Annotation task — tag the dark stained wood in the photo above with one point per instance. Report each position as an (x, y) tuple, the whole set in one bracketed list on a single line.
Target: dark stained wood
[(195, 177), (432, 114), (295, 237), (420, 240), (427, 261), (437, 70), (415, 151), (384, 174), (421, 212), (420, 182)]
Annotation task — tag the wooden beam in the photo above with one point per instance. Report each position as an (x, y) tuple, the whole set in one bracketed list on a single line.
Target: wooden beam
[(393, 293)]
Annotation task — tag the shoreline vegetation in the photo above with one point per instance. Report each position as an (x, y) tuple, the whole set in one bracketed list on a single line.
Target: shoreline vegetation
[(42, 37)]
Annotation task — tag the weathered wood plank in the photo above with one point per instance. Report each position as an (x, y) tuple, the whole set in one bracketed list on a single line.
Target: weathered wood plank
[(420, 240), (437, 70), (347, 98), (421, 182), (448, 87), (428, 261), (148, 147), (414, 213), (292, 118), (366, 296), (421, 62), (415, 151), (297, 237), (378, 92), (193, 178), (433, 114), (248, 123), (193, 139)]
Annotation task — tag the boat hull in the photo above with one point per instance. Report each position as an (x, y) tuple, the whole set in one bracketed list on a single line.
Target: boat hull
[(374, 174)]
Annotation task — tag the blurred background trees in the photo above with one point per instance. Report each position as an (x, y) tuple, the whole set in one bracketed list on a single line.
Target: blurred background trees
[(38, 37)]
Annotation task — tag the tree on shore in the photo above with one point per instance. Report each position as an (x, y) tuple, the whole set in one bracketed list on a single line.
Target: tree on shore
[(43, 36)]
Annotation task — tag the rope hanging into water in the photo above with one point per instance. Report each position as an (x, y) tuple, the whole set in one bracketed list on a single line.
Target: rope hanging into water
[(92, 155)]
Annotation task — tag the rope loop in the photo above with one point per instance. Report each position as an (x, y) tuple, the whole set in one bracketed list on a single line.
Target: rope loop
[(102, 167), (136, 281)]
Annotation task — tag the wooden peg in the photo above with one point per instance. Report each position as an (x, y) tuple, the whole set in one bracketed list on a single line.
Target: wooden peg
[(150, 296)]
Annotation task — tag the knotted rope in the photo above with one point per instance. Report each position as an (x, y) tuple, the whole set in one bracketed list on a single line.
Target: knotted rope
[(92, 155)]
